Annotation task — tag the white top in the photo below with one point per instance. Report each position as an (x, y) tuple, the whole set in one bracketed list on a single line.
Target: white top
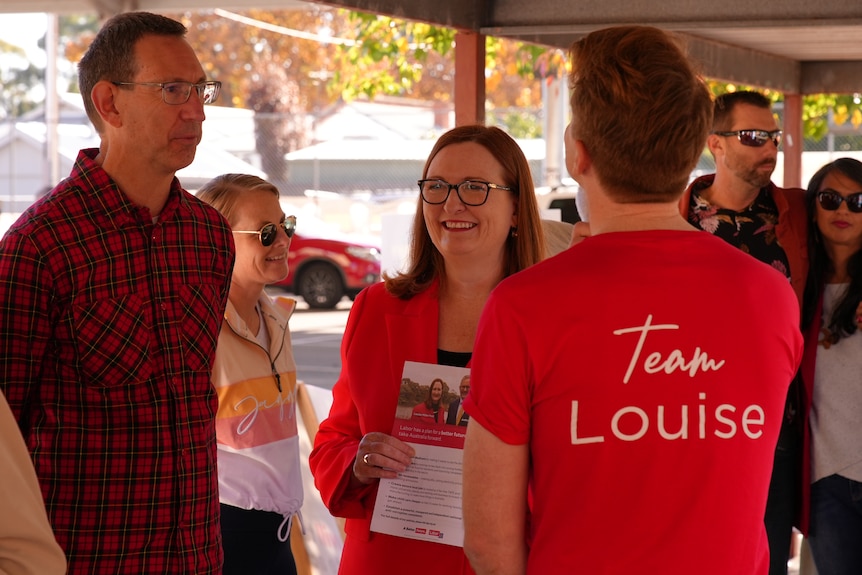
[(836, 409)]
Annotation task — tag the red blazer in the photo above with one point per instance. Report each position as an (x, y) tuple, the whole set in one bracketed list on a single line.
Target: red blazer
[(382, 333)]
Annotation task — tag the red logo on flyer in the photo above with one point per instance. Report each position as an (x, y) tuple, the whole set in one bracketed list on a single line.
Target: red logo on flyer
[(421, 530)]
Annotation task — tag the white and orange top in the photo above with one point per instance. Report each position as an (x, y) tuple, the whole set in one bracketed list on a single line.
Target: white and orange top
[(258, 446)]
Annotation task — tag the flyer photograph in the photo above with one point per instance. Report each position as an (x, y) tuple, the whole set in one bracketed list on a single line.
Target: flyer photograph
[(424, 502)]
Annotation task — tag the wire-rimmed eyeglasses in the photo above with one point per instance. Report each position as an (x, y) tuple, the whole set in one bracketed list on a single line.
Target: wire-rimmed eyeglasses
[(470, 192), (178, 93), (269, 232)]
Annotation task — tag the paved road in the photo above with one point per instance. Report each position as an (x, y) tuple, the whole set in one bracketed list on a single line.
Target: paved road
[(316, 337)]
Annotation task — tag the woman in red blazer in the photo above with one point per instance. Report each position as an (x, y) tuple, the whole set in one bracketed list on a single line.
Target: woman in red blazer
[(476, 222)]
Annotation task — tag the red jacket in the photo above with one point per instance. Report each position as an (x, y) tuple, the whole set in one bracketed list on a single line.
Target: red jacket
[(382, 333)]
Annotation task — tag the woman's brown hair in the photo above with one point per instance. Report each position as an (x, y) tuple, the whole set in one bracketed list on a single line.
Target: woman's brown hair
[(425, 263)]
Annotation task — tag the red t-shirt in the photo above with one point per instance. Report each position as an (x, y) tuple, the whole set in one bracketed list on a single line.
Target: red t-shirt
[(647, 372)]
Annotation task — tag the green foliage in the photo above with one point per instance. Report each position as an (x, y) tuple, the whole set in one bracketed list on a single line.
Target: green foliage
[(16, 85), (18, 79), (844, 109), (395, 57), (390, 57), (517, 122), (70, 27), (816, 108)]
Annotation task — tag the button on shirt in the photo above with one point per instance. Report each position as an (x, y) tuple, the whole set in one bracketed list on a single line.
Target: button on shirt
[(108, 328)]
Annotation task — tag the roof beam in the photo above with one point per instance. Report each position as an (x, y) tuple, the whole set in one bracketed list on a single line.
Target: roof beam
[(111, 7), (459, 14), (831, 77), (717, 60), (669, 14), (745, 66)]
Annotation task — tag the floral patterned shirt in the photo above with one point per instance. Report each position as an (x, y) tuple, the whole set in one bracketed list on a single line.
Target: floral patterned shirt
[(752, 230)]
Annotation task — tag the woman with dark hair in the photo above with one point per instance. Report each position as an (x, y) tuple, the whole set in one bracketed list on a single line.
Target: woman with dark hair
[(832, 369), (476, 223), (432, 411)]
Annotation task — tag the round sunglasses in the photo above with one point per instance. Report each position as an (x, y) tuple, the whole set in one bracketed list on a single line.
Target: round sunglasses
[(831, 200), (269, 232), (754, 138)]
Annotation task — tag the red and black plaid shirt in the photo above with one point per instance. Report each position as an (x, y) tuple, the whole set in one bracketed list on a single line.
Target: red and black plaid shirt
[(108, 329)]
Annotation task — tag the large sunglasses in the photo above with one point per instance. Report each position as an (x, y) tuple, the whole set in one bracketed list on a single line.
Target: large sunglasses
[(831, 200), (269, 232), (754, 138)]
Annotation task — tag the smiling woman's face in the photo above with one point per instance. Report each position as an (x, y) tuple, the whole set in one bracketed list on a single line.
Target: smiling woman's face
[(256, 265), (457, 229), (436, 391)]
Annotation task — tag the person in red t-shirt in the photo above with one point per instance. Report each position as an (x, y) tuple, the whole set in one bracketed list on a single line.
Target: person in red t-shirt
[(626, 395)]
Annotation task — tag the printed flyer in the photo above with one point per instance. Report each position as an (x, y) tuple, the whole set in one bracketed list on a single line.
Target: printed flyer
[(424, 502)]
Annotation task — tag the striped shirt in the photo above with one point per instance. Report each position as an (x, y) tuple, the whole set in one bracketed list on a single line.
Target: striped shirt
[(108, 328)]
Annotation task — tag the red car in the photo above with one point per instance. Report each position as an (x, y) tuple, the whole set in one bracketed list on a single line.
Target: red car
[(323, 271)]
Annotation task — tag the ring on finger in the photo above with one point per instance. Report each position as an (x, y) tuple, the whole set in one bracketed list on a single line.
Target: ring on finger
[(365, 459)]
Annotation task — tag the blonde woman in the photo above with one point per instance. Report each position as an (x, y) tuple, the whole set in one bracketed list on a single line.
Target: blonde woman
[(260, 487)]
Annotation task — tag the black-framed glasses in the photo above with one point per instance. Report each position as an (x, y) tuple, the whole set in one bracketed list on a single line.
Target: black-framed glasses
[(754, 138), (470, 192), (830, 200), (178, 93), (269, 232)]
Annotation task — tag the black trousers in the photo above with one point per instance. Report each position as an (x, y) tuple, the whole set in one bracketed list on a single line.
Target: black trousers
[(251, 545), (785, 485)]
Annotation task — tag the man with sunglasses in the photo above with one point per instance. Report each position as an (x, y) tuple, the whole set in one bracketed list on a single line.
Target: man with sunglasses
[(114, 289), (741, 205)]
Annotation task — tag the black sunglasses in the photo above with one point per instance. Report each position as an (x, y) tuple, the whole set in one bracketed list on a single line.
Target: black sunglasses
[(831, 200), (754, 138), (269, 232)]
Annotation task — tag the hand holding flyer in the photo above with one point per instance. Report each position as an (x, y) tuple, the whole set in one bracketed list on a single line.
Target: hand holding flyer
[(424, 502)]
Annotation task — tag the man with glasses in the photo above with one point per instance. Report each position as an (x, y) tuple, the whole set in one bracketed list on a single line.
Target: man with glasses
[(113, 292), (741, 205)]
